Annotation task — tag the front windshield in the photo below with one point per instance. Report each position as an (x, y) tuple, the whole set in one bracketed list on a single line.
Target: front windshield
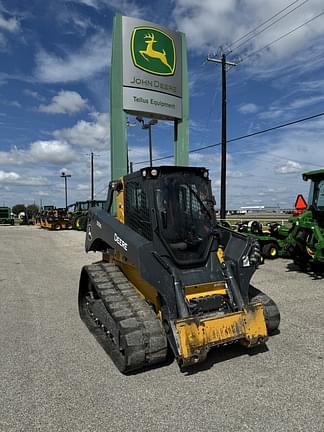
[(185, 214), (319, 195), (84, 206), (100, 204)]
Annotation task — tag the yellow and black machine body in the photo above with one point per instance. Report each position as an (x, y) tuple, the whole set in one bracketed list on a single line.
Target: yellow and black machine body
[(171, 278), (57, 219), (43, 214)]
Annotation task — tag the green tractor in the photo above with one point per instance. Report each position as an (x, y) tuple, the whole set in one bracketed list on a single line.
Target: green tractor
[(79, 212), (6, 216), (271, 238), (305, 240)]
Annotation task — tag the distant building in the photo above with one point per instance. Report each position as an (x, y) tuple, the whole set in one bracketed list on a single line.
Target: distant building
[(262, 208)]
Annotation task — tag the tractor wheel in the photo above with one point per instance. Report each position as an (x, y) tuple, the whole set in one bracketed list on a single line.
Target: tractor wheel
[(57, 227), (270, 250), (302, 261), (83, 223), (76, 223), (300, 256)]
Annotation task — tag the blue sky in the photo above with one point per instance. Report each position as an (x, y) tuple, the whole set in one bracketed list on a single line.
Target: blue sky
[(54, 110)]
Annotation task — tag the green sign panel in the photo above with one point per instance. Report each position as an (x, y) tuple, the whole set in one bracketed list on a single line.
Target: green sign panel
[(148, 78), (153, 51)]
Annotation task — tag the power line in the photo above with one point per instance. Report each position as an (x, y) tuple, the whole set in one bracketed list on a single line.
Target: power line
[(242, 136), (270, 25), (275, 156), (263, 131), (283, 36), (263, 23)]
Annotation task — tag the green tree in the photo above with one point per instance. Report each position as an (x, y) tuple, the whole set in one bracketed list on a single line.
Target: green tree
[(32, 210), (16, 209)]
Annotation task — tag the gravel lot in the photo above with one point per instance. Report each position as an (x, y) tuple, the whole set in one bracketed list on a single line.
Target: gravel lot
[(55, 377)]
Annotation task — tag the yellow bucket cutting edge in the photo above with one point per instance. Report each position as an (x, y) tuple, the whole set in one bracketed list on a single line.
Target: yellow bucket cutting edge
[(197, 335)]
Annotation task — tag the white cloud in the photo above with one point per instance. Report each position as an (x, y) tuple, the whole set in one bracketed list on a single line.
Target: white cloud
[(92, 135), (199, 158), (285, 110), (307, 101), (248, 108), (12, 157), (82, 187), (54, 152), (210, 24), (92, 58), (33, 94), (272, 113), (13, 178), (50, 152), (290, 167), (311, 85), (6, 177), (90, 3), (15, 104), (10, 25), (65, 102), (126, 7)]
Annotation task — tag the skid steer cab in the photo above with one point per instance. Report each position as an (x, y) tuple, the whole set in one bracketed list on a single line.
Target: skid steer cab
[(171, 278)]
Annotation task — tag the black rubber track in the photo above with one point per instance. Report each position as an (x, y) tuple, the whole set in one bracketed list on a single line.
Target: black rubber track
[(271, 311), (136, 338)]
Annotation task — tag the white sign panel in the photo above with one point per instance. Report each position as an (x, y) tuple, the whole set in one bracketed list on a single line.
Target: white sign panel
[(151, 69)]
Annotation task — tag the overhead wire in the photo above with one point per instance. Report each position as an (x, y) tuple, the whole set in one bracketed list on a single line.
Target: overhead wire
[(275, 156), (282, 36), (241, 137), (263, 23), (269, 26)]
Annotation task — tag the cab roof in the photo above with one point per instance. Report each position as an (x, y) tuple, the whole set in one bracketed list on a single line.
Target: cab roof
[(314, 175)]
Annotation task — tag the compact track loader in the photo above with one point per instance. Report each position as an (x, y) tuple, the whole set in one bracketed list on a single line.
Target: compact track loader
[(171, 278), (57, 219)]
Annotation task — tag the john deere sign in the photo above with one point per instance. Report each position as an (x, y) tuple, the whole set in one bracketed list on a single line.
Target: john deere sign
[(151, 70), (153, 51), (148, 78)]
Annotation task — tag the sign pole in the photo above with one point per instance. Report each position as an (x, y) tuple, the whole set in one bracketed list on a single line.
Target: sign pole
[(181, 134), (118, 137)]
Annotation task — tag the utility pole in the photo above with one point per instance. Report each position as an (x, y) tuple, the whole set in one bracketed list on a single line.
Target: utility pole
[(65, 176), (92, 185), (224, 63), (92, 178)]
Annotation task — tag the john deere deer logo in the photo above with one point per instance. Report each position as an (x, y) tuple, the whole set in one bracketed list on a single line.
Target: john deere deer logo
[(153, 51)]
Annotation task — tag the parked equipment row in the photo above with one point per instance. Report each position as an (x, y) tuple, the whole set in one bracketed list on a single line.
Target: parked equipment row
[(74, 217)]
